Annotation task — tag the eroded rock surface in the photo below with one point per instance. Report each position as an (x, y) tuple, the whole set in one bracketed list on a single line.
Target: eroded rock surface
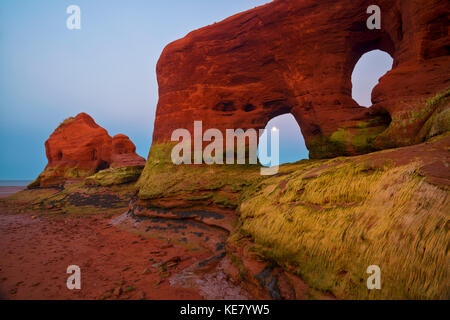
[(79, 147), (124, 153), (298, 56), (79, 143)]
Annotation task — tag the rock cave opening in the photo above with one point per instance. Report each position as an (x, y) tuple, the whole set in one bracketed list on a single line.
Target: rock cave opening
[(370, 67), (102, 165), (292, 147)]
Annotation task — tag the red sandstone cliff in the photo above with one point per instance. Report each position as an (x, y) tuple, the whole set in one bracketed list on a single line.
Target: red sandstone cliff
[(297, 56)]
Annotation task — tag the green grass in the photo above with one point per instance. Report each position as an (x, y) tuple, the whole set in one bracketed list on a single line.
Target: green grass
[(327, 220), (65, 122), (419, 122), (57, 176), (217, 184), (114, 176), (438, 99), (61, 201), (329, 227), (439, 121)]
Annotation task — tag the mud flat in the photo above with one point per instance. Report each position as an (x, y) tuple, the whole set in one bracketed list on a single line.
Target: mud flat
[(123, 258), (6, 191), (209, 272)]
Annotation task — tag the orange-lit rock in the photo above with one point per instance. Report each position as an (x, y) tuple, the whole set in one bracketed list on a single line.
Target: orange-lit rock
[(124, 153), (297, 56), (79, 143), (79, 147)]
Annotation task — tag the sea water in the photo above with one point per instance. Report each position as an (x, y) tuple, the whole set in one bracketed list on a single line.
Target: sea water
[(14, 183)]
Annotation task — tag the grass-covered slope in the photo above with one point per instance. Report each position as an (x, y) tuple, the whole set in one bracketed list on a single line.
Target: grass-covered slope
[(114, 176), (163, 184), (428, 117), (328, 220)]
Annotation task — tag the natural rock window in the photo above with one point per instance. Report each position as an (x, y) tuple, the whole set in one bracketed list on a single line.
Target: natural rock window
[(292, 144), (368, 70)]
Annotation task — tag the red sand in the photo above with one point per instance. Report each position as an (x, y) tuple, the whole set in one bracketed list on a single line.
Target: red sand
[(36, 251)]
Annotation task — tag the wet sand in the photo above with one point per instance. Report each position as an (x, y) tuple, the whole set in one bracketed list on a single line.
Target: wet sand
[(35, 252), (6, 191)]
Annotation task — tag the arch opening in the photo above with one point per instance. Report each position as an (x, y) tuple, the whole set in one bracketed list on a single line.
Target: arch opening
[(292, 147), (370, 67)]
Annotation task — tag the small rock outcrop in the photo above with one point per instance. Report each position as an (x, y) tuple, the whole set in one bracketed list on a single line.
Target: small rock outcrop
[(79, 148), (79, 143), (124, 153)]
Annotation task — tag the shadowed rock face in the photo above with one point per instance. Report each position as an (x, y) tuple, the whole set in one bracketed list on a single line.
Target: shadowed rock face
[(79, 147), (297, 56)]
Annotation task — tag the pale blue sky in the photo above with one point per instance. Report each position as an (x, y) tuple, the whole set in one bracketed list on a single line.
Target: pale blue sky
[(107, 69)]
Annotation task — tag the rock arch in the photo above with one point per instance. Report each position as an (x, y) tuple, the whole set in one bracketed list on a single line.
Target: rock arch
[(297, 56)]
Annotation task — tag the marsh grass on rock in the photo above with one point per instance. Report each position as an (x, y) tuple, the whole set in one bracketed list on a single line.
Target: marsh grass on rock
[(202, 185), (328, 221)]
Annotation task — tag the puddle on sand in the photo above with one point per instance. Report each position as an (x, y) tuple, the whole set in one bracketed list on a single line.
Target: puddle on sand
[(208, 275), (212, 282)]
